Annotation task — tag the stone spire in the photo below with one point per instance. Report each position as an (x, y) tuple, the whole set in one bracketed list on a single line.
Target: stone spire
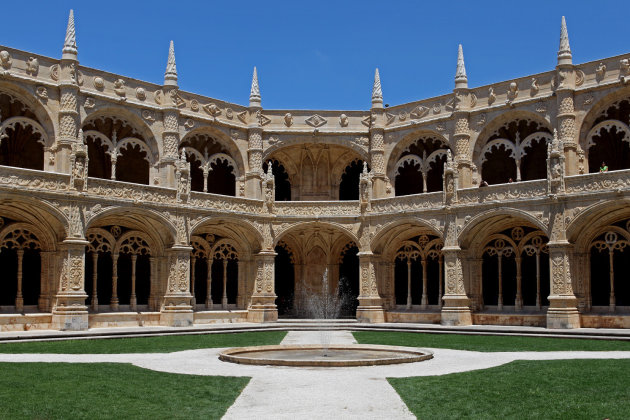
[(70, 44), (564, 52), (377, 92), (254, 94), (170, 77), (461, 80)]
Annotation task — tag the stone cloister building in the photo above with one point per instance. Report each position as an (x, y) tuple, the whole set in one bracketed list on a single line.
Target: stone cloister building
[(129, 203)]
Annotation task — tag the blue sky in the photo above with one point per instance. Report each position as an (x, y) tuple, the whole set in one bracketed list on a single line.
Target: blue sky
[(319, 55)]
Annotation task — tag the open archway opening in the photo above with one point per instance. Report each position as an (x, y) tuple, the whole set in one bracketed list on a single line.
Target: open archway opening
[(348, 288), (284, 277), (515, 270), (349, 185), (408, 179), (516, 151), (21, 137), (222, 179), (609, 255)]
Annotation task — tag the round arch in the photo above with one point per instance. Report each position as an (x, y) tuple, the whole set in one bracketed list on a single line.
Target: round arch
[(224, 140), (162, 232), (495, 220), (405, 142), (44, 116), (502, 119), (135, 121), (386, 239)]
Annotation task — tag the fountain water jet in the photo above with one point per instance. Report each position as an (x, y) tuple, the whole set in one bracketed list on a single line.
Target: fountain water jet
[(324, 305)]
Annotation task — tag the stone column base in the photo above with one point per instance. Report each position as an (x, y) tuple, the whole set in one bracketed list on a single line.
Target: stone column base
[(262, 313), (181, 317), (371, 314), (177, 312), (70, 318), (456, 316), (563, 313), (456, 311)]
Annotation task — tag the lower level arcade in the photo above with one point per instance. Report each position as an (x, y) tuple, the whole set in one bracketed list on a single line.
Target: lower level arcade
[(126, 265)]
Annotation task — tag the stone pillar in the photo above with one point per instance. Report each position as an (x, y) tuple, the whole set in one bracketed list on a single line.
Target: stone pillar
[(132, 298), (370, 307), (263, 307), (377, 158), (176, 309), (170, 142), (562, 312), (565, 87), (114, 300), (461, 137), (70, 312), (68, 113), (154, 299), (94, 281), (254, 152), (456, 309)]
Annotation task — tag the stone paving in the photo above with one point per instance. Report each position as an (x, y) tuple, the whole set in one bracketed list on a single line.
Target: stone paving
[(286, 392)]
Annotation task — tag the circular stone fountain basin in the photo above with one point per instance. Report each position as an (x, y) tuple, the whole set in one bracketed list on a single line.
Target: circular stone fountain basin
[(331, 356)]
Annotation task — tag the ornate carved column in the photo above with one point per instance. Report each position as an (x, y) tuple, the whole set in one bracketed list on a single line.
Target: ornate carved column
[(562, 312), (377, 136), (255, 143), (170, 100), (370, 307), (69, 123), (176, 309), (456, 309), (463, 101), (254, 152), (70, 312), (565, 87), (263, 307)]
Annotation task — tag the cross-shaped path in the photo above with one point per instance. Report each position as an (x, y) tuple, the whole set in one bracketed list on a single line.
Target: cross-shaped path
[(289, 392)]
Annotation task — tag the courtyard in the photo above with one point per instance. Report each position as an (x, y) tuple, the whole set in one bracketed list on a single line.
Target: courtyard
[(473, 374)]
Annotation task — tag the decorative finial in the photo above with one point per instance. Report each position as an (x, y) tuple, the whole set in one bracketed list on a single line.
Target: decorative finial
[(170, 77), (564, 52), (81, 138), (461, 80), (183, 154), (70, 44), (377, 92), (365, 168), (254, 94)]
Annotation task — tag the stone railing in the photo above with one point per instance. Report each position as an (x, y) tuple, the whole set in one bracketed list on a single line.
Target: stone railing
[(20, 179), (127, 190), (613, 180), (413, 202), (502, 192), (224, 203), (317, 208)]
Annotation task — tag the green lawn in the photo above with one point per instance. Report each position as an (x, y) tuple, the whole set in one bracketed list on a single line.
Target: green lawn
[(558, 389), (158, 344), (111, 391), (487, 343)]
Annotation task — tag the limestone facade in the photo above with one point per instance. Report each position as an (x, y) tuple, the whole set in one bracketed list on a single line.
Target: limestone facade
[(115, 193)]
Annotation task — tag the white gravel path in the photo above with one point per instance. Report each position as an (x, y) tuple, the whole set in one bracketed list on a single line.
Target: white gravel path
[(286, 392)]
